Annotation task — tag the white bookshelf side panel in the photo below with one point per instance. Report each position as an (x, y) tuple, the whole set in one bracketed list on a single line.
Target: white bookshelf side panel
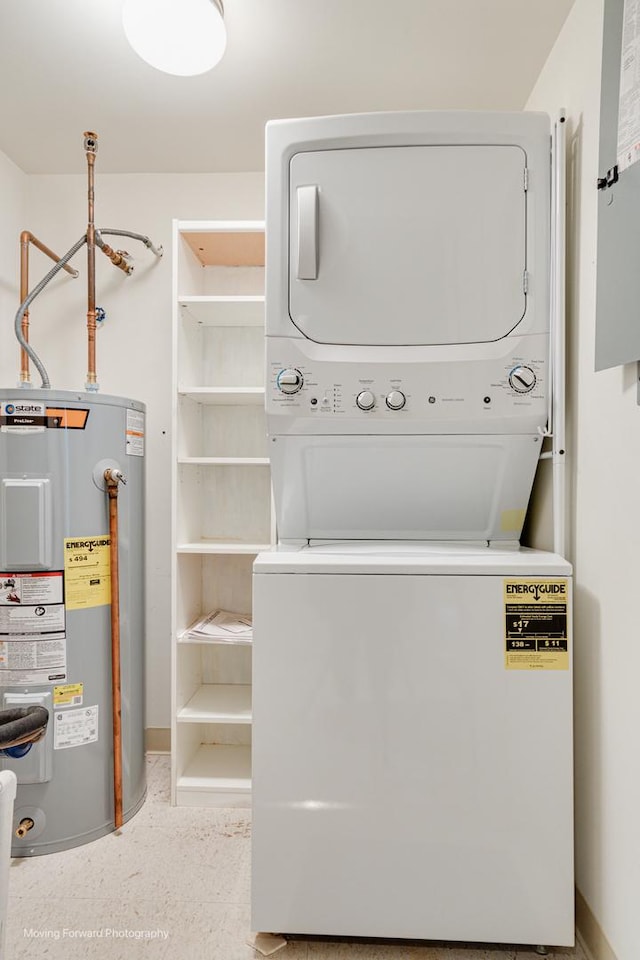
[(190, 270), (190, 421), (189, 504), (189, 673), (190, 351), (189, 584), (188, 741)]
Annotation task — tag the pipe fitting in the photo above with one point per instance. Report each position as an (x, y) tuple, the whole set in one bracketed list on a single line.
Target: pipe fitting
[(24, 826), (119, 258), (90, 141), (113, 476)]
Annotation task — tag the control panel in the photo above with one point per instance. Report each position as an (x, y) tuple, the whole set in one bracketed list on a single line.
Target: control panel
[(510, 387)]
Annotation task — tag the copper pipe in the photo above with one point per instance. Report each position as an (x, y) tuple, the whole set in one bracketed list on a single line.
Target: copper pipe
[(112, 478), (91, 147), (26, 237)]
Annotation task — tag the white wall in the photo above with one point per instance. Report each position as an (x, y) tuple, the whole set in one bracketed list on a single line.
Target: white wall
[(134, 346), (605, 455), (12, 193)]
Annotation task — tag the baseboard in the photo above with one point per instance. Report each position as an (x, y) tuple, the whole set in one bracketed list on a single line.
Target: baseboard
[(590, 933), (157, 739)]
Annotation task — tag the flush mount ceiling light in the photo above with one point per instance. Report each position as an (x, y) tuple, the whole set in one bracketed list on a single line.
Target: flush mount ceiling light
[(182, 37)]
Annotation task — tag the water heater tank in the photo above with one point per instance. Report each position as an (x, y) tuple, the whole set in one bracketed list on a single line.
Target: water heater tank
[(55, 612)]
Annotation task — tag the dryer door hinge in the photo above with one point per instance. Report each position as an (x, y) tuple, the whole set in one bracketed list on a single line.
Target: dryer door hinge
[(526, 179), (525, 281)]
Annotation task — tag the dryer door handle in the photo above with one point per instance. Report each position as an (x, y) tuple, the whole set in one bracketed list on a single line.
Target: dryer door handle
[(307, 266)]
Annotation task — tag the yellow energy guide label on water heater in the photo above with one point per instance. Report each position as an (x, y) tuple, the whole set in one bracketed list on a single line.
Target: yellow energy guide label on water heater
[(87, 572), (536, 624)]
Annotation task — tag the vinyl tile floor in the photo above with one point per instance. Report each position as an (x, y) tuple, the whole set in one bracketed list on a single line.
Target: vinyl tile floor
[(173, 885)]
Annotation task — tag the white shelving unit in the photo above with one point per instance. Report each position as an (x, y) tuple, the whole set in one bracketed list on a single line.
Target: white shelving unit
[(222, 507)]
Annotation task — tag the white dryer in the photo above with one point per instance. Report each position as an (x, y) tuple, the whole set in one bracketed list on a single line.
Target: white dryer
[(412, 665)]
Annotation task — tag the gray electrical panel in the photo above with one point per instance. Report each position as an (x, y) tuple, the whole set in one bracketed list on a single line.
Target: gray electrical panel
[(618, 266)]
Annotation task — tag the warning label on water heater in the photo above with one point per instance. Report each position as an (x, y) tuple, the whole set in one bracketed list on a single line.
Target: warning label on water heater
[(536, 624), (135, 433), (32, 627)]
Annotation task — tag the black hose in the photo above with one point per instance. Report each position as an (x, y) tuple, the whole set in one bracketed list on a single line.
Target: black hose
[(22, 725)]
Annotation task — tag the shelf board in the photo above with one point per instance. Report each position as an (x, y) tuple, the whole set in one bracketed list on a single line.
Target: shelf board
[(235, 246), (213, 546), (213, 641), (223, 395), (220, 226), (218, 767), (224, 311), (226, 461), (218, 703)]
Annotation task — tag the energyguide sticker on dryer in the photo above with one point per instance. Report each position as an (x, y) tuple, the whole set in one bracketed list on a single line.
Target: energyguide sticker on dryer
[(32, 627), (536, 624)]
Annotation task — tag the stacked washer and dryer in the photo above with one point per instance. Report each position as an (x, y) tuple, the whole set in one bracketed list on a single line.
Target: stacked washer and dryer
[(412, 748)]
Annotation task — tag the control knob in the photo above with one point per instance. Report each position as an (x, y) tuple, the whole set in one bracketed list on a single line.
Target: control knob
[(289, 380), (396, 400), (366, 400), (522, 379)]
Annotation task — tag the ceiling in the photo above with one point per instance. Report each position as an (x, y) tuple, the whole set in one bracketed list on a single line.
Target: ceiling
[(66, 67)]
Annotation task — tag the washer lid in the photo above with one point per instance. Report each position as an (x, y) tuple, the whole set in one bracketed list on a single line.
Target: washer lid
[(414, 559), (407, 245)]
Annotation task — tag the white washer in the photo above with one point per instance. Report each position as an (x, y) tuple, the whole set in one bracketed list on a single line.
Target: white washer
[(412, 759), (406, 783)]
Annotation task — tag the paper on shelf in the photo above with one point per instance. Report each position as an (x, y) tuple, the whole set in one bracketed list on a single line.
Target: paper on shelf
[(220, 625)]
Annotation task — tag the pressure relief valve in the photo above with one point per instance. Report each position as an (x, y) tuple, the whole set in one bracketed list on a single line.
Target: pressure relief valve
[(113, 476)]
